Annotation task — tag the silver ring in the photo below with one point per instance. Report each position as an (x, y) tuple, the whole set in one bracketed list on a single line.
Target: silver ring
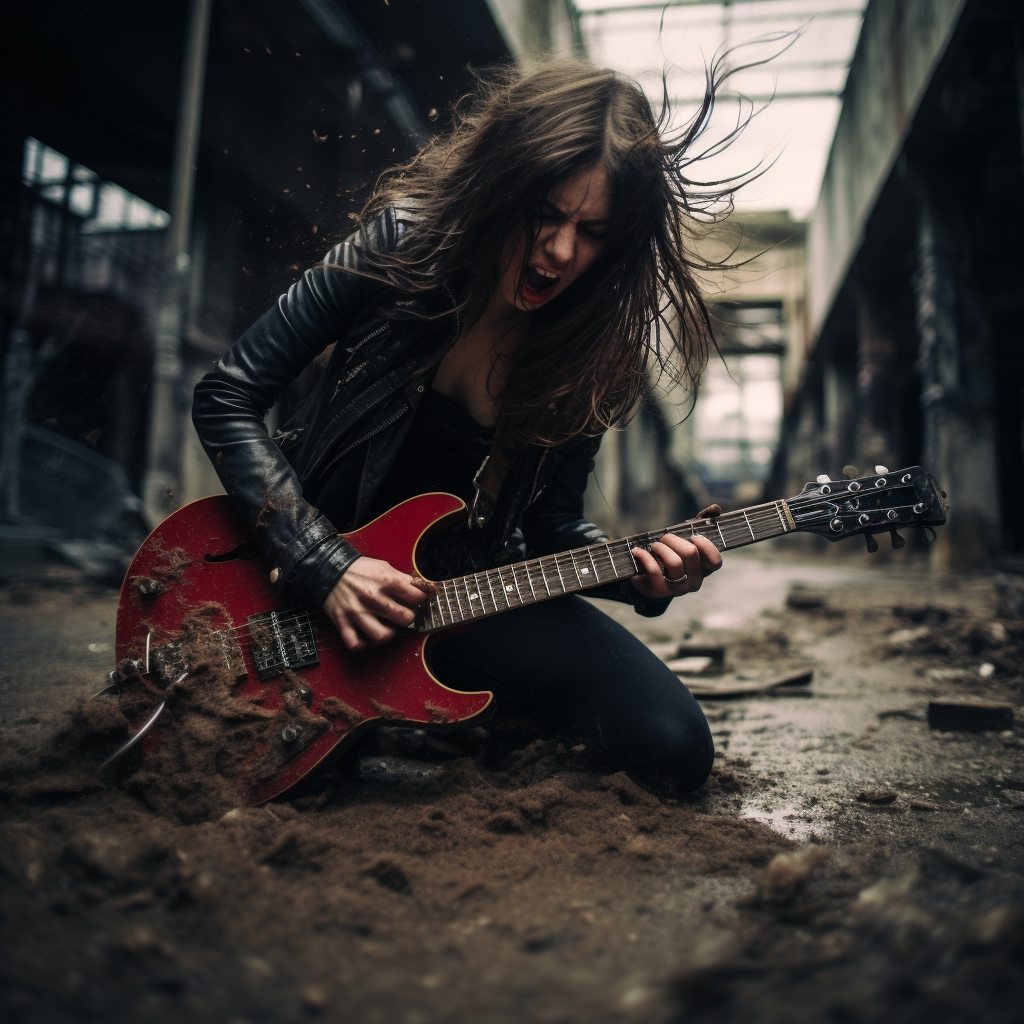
[(682, 579)]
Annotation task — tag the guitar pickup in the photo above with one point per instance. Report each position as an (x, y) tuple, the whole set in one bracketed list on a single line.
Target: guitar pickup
[(280, 641)]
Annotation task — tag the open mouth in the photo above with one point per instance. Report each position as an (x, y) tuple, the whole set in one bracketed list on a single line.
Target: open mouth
[(538, 280)]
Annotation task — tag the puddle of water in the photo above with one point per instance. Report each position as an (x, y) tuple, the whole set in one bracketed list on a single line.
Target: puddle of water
[(787, 821)]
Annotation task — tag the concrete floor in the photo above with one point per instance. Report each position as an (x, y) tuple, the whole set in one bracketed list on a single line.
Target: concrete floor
[(927, 825)]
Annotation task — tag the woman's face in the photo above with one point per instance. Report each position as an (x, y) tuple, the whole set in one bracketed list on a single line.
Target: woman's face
[(573, 226)]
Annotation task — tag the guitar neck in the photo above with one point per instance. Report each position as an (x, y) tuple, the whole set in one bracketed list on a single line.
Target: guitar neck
[(466, 598)]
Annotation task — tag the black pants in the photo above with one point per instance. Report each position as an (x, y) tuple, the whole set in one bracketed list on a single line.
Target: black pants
[(573, 668)]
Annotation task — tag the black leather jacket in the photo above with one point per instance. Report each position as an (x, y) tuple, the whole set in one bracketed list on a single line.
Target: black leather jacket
[(354, 422)]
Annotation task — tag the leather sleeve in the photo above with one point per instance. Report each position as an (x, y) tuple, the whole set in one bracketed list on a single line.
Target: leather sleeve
[(555, 522), (230, 403)]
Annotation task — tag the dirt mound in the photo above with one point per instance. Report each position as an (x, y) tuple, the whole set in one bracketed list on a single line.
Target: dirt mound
[(154, 891)]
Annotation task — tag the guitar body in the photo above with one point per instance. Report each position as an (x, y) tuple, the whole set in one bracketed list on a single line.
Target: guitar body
[(192, 589)]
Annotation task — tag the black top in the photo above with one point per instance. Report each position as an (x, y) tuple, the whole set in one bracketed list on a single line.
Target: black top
[(442, 452)]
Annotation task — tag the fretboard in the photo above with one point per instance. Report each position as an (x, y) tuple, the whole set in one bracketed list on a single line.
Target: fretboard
[(480, 594)]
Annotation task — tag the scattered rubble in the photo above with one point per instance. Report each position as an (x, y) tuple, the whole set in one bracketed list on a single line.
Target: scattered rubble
[(972, 715)]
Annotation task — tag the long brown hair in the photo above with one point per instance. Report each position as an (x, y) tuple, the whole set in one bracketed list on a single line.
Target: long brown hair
[(584, 366)]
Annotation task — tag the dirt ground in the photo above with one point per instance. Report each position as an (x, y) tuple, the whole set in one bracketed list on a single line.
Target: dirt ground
[(844, 863)]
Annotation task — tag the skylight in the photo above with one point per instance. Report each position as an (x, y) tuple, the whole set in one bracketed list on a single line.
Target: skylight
[(101, 205)]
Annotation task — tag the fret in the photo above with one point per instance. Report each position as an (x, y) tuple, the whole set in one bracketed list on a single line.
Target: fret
[(611, 558), (494, 600), (504, 589), (526, 567), (515, 580), (632, 557), (778, 512), (565, 589), (479, 593), (749, 527), (727, 531), (572, 559), (611, 562), (544, 576), (455, 587), (469, 597)]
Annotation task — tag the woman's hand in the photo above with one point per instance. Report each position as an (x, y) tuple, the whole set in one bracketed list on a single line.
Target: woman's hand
[(685, 562), (371, 591)]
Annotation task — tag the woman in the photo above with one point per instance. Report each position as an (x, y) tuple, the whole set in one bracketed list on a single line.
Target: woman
[(495, 313)]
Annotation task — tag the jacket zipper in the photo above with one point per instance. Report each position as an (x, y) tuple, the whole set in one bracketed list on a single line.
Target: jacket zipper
[(536, 477), (352, 374), (369, 435)]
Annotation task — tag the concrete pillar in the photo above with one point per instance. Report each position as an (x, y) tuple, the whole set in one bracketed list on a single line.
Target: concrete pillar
[(878, 379), (954, 361), (167, 420)]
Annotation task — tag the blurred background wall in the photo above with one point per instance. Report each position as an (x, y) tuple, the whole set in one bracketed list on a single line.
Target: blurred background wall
[(166, 172)]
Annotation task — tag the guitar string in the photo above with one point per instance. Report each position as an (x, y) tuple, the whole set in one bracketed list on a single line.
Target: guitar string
[(757, 516), (332, 641)]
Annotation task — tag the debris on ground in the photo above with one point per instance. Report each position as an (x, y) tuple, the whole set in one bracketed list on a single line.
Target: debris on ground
[(970, 715), (787, 684), (788, 872), (499, 875)]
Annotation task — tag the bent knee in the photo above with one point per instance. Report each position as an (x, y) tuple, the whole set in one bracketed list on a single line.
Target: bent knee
[(677, 753)]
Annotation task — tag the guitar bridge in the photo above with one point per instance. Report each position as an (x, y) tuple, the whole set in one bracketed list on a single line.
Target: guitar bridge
[(280, 641)]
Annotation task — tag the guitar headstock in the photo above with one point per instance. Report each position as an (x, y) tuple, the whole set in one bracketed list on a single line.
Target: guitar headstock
[(880, 503)]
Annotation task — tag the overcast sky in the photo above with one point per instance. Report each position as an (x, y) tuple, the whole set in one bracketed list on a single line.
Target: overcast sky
[(795, 131)]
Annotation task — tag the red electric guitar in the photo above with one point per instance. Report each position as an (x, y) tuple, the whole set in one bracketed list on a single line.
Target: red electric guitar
[(197, 604)]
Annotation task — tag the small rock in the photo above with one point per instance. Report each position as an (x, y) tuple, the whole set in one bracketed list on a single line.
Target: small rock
[(314, 998), (805, 600), (788, 872), (997, 632), (992, 927), (949, 675), (877, 796), (883, 893), (904, 639), (924, 805), (258, 968), (690, 666), (640, 846)]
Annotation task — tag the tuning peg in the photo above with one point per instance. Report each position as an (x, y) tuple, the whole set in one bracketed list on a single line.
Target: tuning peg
[(871, 543), (897, 540), (881, 470), (850, 472), (823, 478), (929, 534)]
